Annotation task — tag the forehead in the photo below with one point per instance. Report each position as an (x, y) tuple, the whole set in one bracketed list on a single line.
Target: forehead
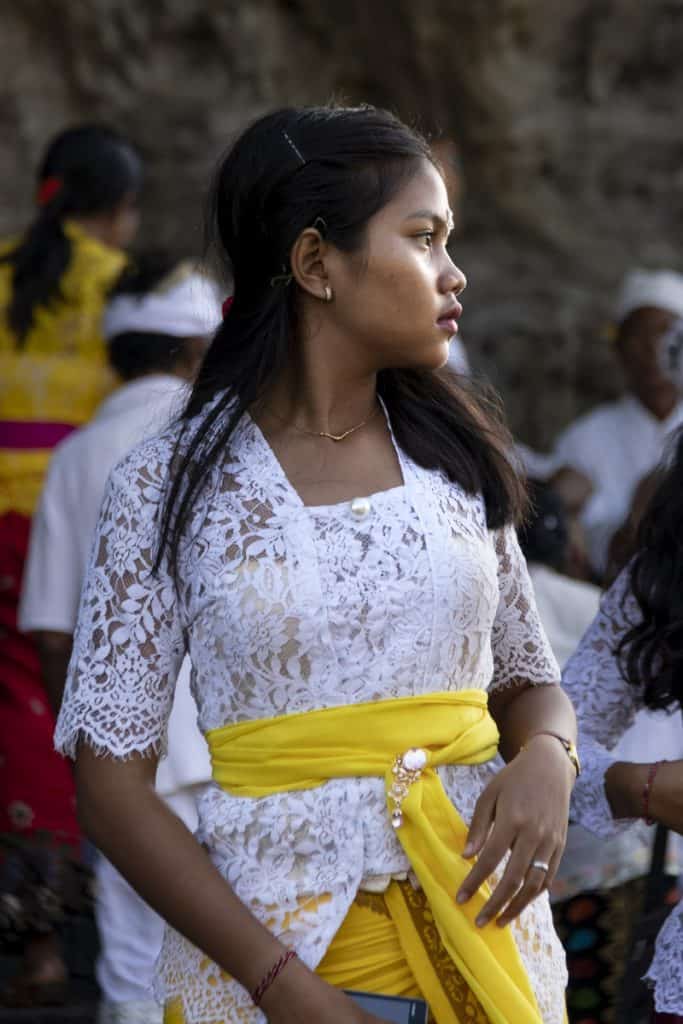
[(647, 321), (424, 190)]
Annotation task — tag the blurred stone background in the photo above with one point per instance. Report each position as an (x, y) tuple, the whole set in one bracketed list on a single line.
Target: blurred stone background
[(567, 114)]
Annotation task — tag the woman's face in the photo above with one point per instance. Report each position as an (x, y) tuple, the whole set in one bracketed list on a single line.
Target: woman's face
[(397, 299), (124, 222)]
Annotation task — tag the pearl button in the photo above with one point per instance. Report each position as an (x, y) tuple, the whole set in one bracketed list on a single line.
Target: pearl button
[(360, 507)]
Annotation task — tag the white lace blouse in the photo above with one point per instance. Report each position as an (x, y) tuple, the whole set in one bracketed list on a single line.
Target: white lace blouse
[(285, 608), (605, 707)]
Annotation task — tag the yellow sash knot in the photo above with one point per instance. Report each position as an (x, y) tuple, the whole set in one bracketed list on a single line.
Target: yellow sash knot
[(402, 740)]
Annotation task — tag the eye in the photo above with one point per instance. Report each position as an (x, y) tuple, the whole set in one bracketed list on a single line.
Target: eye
[(428, 237)]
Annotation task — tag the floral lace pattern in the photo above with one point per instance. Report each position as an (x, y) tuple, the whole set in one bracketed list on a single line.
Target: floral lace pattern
[(285, 608), (605, 707)]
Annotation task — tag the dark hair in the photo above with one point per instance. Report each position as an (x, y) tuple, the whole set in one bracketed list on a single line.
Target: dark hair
[(93, 169), (135, 353), (544, 533), (334, 167), (651, 652)]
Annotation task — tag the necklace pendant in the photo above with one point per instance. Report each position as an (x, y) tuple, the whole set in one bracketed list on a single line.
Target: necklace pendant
[(338, 437)]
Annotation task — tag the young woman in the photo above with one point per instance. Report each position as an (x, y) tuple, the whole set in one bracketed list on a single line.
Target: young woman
[(631, 658), (329, 533), (53, 373)]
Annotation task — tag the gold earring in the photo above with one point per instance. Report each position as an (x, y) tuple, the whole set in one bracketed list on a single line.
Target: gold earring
[(328, 293)]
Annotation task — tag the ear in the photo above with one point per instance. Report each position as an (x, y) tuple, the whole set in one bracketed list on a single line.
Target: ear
[(308, 262)]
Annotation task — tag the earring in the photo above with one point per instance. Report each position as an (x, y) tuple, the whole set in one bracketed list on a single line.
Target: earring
[(328, 293)]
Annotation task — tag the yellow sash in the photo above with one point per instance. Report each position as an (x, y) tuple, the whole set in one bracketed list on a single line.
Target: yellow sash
[(301, 751)]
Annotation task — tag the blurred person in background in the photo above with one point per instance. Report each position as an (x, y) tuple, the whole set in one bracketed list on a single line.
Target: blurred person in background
[(632, 658), (618, 444), (156, 328), (329, 530), (54, 280), (599, 881), (567, 606)]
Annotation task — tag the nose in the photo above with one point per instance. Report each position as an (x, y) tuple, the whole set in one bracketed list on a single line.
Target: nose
[(453, 279)]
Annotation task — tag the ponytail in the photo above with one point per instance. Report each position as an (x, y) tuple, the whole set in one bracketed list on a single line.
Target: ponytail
[(86, 171)]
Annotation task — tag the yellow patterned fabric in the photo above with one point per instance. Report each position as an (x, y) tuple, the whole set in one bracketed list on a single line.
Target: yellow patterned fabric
[(301, 751), (370, 953), (59, 373)]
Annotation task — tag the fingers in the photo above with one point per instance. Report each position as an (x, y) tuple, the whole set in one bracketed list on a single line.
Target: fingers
[(513, 880), (493, 851), (535, 882), (554, 863), (481, 823)]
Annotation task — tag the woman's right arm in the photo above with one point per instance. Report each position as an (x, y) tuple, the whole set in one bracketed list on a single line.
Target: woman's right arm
[(163, 861)]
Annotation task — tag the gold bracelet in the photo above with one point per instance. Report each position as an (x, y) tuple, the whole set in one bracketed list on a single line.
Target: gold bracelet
[(569, 747)]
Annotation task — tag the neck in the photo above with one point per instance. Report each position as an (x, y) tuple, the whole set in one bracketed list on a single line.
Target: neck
[(98, 228), (319, 392), (659, 406)]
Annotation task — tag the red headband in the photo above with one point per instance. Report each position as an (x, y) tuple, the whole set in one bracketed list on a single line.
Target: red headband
[(48, 189)]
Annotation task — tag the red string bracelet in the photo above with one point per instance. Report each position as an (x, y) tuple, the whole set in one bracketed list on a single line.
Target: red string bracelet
[(647, 789), (268, 979)]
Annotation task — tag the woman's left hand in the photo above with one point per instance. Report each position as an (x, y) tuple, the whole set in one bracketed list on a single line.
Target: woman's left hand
[(524, 809)]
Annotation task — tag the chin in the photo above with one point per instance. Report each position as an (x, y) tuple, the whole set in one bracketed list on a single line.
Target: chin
[(432, 356), (437, 357)]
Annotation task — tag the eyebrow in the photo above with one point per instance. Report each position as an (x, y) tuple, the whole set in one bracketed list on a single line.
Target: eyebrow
[(437, 218)]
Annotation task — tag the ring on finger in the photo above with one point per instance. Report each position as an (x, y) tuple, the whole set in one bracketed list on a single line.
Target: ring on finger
[(541, 865)]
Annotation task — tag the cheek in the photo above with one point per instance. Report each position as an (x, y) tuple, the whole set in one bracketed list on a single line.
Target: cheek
[(128, 227), (405, 283)]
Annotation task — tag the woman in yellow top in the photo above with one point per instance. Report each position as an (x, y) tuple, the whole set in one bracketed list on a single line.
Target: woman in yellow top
[(329, 530), (54, 280)]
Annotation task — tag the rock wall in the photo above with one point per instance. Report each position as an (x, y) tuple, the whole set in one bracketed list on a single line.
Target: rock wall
[(566, 112)]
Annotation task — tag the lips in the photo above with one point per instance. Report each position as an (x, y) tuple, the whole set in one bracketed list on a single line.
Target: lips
[(448, 321), (449, 318)]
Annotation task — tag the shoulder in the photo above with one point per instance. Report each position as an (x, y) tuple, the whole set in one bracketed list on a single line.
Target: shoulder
[(143, 472), (93, 267), (144, 469)]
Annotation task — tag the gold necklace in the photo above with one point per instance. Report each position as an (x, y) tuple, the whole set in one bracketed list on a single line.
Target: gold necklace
[(324, 433)]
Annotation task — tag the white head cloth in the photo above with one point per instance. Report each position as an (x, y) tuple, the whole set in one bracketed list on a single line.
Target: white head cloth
[(662, 289), (184, 305)]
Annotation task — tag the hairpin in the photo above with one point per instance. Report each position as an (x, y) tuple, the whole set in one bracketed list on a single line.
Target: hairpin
[(281, 279), (295, 148)]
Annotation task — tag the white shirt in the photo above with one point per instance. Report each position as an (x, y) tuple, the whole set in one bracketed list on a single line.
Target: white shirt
[(606, 707), (615, 446), (566, 606), (287, 608), (62, 531)]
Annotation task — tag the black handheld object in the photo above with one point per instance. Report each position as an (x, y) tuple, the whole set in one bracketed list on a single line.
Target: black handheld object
[(394, 1009)]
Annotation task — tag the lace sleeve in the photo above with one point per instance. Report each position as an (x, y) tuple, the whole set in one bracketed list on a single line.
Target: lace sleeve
[(605, 705), (521, 649), (128, 643)]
